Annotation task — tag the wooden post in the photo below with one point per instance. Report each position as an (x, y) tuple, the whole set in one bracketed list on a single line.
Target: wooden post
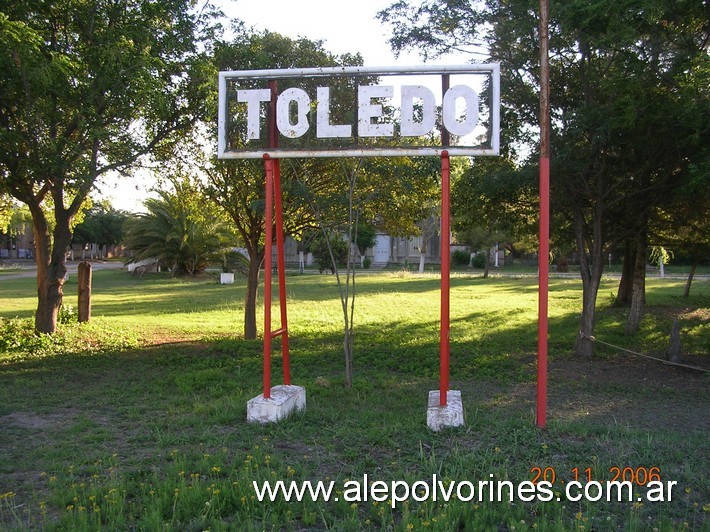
[(674, 348), (84, 280)]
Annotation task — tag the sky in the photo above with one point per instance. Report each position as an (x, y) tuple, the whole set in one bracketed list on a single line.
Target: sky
[(344, 26)]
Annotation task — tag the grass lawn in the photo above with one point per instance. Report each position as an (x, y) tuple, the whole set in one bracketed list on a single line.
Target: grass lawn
[(136, 421)]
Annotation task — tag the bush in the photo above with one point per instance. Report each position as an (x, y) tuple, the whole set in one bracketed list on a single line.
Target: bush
[(479, 260), (18, 339), (67, 314), (321, 254), (460, 258), (366, 262)]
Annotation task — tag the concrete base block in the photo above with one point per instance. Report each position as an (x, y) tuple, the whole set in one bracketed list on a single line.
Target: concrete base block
[(284, 400), (451, 415)]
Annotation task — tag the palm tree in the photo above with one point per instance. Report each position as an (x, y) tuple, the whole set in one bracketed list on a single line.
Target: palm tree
[(181, 231)]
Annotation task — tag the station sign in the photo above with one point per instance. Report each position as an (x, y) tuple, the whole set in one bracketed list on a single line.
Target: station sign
[(359, 111)]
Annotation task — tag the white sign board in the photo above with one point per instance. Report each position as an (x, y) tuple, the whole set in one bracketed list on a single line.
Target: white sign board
[(359, 111)]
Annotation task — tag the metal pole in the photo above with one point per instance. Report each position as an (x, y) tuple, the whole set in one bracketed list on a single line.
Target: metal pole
[(268, 238), (280, 248), (544, 254), (445, 284), (281, 261)]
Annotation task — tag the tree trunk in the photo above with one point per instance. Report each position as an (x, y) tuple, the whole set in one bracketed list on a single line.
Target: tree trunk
[(348, 351), (255, 259), (591, 266), (639, 288), (585, 345), (487, 267), (693, 267), (51, 269), (422, 258), (626, 285), (562, 264)]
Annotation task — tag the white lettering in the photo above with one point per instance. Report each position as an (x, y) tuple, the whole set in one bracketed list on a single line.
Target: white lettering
[(460, 493), (399, 497), (576, 485), (470, 118), (351, 491), (283, 112), (420, 491), (368, 110), (446, 494), (379, 491), (409, 126), (524, 488), (544, 490), (253, 97), (418, 112), (324, 129)]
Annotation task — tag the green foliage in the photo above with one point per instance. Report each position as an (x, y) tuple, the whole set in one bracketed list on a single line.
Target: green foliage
[(479, 261), (180, 231), (623, 80), (102, 225), (322, 252), (493, 202), (460, 257), (67, 314), (18, 335), (19, 341), (366, 237), (89, 88), (7, 205), (233, 261)]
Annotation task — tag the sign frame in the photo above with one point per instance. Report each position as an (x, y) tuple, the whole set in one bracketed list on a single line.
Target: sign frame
[(492, 69)]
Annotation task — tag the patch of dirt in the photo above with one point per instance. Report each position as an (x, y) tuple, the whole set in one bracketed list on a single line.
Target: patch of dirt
[(34, 421), (637, 392), (702, 314)]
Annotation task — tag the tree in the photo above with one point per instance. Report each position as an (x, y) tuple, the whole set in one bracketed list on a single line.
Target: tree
[(364, 187), (7, 207), (492, 202), (684, 226), (88, 88), (102, 227), (616, 71), (237, 186), (180, 232), (330, 253), (365, 238)]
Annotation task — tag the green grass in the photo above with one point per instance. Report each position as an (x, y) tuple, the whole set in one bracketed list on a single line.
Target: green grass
[(137, 421)]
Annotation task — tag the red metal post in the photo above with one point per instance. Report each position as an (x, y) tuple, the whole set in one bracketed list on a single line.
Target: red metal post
[(445, 274), (281, 262), (280, 249), (268, 238), (544, 254), (543, 288)]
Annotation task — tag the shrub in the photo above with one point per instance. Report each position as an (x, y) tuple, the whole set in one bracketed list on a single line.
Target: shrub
[(459, 257), (18, 339), (321, 254), (479, 260), (67, 314)]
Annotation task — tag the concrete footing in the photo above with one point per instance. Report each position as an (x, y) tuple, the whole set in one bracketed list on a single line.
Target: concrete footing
[(285, 399), (451, 415)]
